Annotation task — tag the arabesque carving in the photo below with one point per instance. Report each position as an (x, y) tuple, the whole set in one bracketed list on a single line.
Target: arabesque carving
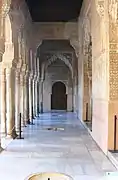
[(5, 7), (113, 9), (100, 6), (54, 56)]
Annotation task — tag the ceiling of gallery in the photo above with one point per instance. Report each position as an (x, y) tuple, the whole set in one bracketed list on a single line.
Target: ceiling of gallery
[(54, 10)]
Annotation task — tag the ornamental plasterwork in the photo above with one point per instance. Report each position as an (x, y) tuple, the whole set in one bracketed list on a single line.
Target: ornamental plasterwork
[(5, 7), (86, 36), (113, 9), (87, 30), (100, 6), (51, 57), (59, 55)]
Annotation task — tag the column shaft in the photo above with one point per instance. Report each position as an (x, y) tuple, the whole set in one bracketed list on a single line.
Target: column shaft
[(17, 101), (10, 102), (30, 100), (25, 100), (3, 102), (22, 100), (33, 93), (36, 101)]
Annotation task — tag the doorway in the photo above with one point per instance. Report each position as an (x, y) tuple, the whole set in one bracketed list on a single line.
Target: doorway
[(59, 97)]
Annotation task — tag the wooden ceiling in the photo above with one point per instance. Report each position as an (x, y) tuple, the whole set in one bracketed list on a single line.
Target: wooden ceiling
[(54, 10)]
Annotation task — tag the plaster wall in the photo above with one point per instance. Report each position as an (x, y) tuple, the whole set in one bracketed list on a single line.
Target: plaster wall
[(99, 32)]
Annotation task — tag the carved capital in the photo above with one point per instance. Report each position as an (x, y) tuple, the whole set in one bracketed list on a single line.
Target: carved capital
[(100, 6), (23, 69), (5, 7)]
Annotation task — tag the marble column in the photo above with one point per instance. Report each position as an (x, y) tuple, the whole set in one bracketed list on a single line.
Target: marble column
[(30, 99), (38, 97), (33, 96), (10, 103), (41, 96), (36, 100), (3, 101), (22, 100), (25, 99), (17, 101)]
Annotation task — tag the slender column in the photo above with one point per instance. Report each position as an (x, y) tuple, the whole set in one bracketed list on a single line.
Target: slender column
[(17, 100), (3, 102), (30, 100), (25, 100), (36, 105), (33, 96), (10, 103), (38, 98), (41, 96), (22, 100)]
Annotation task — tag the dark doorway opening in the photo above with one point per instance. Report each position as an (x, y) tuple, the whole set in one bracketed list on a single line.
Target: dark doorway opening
[(59, 97)]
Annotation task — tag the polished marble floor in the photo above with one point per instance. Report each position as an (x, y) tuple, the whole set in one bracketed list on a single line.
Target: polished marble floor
[(68, 150)]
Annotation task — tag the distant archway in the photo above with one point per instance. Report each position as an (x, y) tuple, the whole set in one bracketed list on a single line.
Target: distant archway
[(58, 96)]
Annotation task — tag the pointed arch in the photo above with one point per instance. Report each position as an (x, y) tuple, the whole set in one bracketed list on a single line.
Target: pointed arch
[(53, 58), (62, 58)]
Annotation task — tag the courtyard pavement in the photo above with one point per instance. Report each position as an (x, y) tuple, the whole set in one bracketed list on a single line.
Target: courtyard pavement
[(66, 148)]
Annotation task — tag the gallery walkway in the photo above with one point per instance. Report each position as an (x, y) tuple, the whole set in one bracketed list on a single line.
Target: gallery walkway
[(69, 150)]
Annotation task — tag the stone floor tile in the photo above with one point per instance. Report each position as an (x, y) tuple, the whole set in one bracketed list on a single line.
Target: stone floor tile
[(71, 151)]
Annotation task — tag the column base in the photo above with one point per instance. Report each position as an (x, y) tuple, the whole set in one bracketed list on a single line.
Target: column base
[(13, 135), (28, 121)]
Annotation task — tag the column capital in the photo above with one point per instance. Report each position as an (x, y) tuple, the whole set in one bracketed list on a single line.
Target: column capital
[(17, 74), (30, 76), (21, 79), (19, 65), (5, 7), (8, 71), (23, 69)]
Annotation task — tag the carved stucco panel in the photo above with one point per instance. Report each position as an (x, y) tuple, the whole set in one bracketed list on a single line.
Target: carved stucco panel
[(113, 60), (100, 7), (113, 9), (113, 79)]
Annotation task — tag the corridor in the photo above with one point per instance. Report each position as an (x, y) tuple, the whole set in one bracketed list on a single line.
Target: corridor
[(69, 150)]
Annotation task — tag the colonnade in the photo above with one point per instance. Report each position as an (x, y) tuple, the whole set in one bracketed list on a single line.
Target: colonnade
[(18, 95), (19, 70)]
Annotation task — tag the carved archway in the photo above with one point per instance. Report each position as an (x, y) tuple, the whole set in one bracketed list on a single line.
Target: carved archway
[(53, 58)]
